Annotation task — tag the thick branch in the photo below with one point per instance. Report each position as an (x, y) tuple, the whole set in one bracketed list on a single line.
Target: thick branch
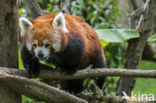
[(36, 89), (134, 4), (56, 75), (33, 9)]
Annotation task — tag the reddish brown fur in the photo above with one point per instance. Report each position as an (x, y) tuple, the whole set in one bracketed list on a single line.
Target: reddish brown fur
[(43, 26)]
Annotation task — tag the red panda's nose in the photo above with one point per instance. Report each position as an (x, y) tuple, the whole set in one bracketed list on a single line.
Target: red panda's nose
[(40, 54)]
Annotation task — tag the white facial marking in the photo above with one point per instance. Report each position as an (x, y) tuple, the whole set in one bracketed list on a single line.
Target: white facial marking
[(42, 49), (29, 46), (45, 41), (57, 46), (59, 23)]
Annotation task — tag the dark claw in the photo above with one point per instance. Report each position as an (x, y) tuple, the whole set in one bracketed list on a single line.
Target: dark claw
[(33, 74), (33, 69), (29, 72)]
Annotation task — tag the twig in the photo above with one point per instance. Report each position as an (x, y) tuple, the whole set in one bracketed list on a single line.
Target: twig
[(97, 92), (107, 98), (65, 6)]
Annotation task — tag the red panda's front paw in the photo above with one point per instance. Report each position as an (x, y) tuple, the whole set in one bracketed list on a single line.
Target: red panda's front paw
[(33, 73), (33, 68)]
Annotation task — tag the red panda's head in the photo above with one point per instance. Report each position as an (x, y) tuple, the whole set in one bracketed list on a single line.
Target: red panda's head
[(43, 36)]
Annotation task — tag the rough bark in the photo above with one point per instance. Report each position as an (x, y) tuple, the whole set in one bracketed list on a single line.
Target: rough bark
[(32, 7), (92, 73), (9, 44), (103, 99), (149, 52), (136, 46), (135, 4), (36, 89), (65, 6)]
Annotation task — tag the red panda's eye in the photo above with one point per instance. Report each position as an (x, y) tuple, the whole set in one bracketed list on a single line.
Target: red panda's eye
[(34, 45), (47, 45)]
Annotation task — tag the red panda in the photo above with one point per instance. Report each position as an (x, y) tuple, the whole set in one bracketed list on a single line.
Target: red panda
[(63, 40)]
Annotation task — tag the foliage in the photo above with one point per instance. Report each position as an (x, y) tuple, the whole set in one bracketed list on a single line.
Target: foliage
[(115, 58), (22, 12), (99, 13), (50, 5), (152, 39), (116, 35)]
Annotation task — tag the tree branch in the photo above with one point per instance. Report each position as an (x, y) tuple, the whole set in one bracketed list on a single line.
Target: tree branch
[(56, 75), (134, 4), (33, 9), (65, 6), (36, 89), (43, 92), (107, 98)]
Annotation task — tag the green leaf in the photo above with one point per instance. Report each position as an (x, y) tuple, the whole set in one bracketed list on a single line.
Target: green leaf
[(20, 61), (46, 63), (116, 35), (104, 43), (152, 39)]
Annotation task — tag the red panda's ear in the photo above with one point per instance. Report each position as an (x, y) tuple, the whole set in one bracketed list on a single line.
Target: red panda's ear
[(25, 25), (59, 23)]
